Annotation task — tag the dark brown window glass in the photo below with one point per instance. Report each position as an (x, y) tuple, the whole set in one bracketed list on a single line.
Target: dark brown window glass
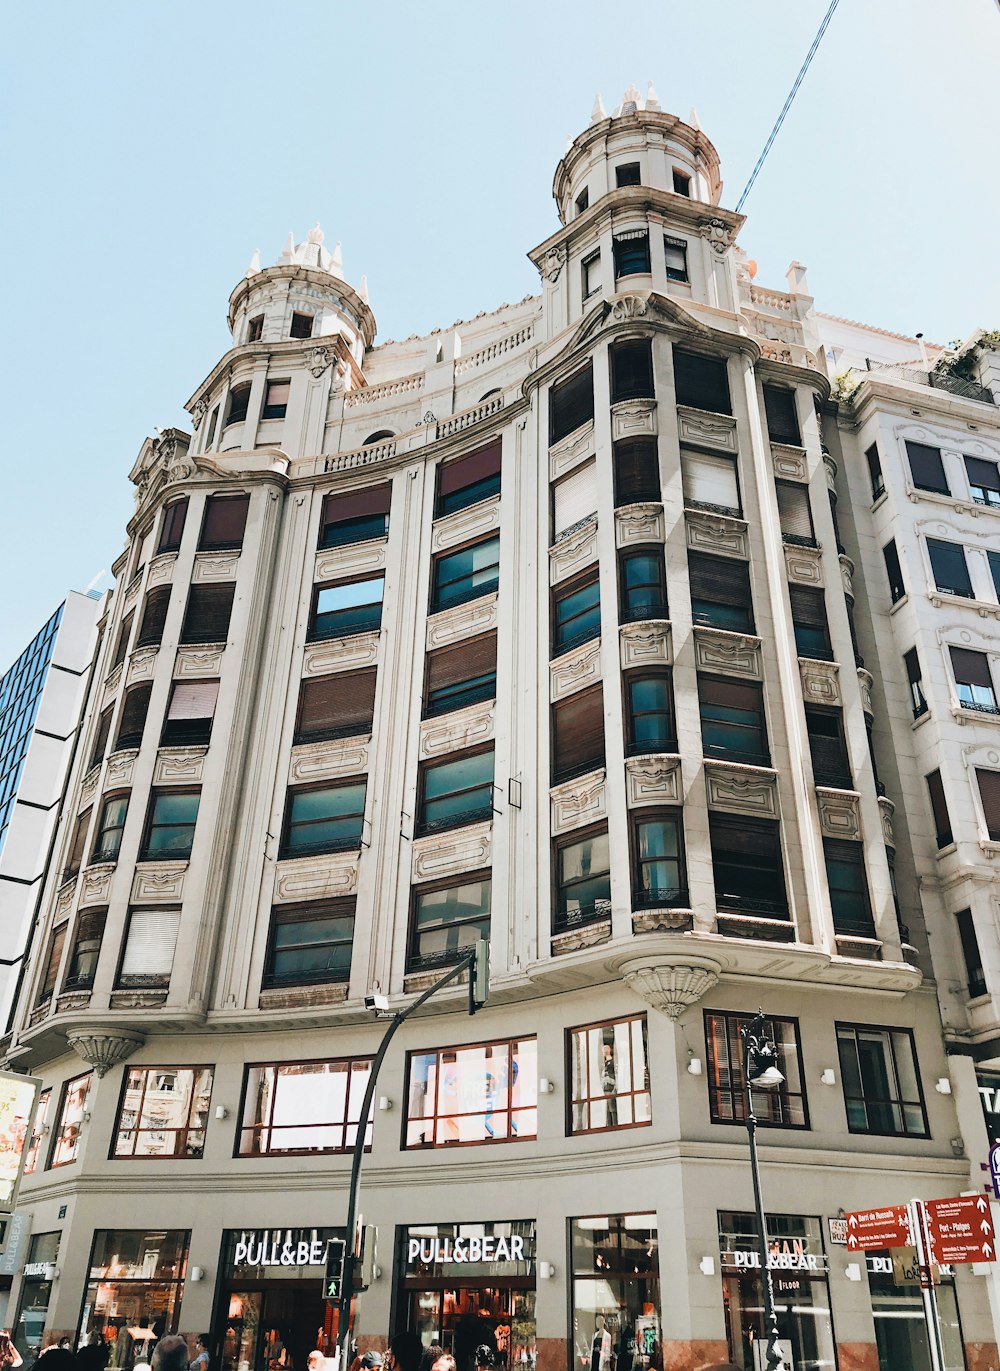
[(578, 734), (949, 567), (984, 481), (311, 944), (927, 468), (681, 182), (912, 664), (468, 480), (56, 945), (336, 706), (154, 617), (845, 874), (133, 718), (224, 523), (974, 974), (720, 592), (875, 471), (206, 619), (121, 646), (302, 326), (795, 514), (583, 200), (828, 747), (812, 632), (627, 174), (637, 472), (732, 720), (86, 949), (782, 420), (749, 872), (989, 791), (784, 1107), (893, 571), (939, 808), (571, 404), (702, 382), (632, 370), (102, 736), (461, 675), (172, 528), (355, 516), (78, 843), (239, 403), (212, 425)]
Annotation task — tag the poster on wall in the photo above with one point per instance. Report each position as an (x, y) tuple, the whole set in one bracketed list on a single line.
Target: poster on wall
[(17, 1105)]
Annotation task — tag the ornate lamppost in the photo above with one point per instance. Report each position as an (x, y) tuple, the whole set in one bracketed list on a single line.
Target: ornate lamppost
[(760, 1070)]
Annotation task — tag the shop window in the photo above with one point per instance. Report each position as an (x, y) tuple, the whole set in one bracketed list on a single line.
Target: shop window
[(681, 182), (975, 976), (28, 1327), (208, 613), (927, 468), (973, 680), (649, 710), (676, 256), (345, 608), (571, 404), (659, 878), (109, 828), (302, 325), (224, 523), (355, 517), (642, 584), (154, 617), (77, 846), (984, 481), (989, 793), (949, 567), (710, 483), (875, 471), (255, 329), (190, 714), (447, 920), (163, 1112), (782, 419), (237, 404), (898, 1313), (302, 1108), (609, 1076), (794, 514), (465, 575), (720, 593), (574, 500), (939, 808), (468, 480), (809, 623), (455, 792), (338, 706), (627, 174), (878, 1067), (828, 747), (148, 955), (135, 1285), (578, 734), (702, 382), (590, 273), (486, 1093), (310, 944), (637, 472), (848, 882), (631, 253), (326, 818), (86, 949), (276, 394), (70, 1120), (170, 825), (576, 612), (460, 675), (132, 724), (583, 880), (911, 662), (732, 720), (632, 370), (893, 571), (781, 1107), (748, 868), (616, 1292), (53, 960), (39, 1130), (121, 644)]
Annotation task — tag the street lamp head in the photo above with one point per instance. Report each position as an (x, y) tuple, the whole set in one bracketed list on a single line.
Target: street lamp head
[(762, 1065)]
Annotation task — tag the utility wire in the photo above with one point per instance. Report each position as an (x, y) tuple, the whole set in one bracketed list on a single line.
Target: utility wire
[(788, 103)]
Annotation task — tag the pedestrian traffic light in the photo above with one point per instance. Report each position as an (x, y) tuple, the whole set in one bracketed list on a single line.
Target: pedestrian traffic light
[(333, 1279), (479, 975)]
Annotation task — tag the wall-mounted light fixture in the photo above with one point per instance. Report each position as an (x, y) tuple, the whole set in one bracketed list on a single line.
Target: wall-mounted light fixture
[(197, 1273), (853, 1271), (384, 1103), (828, 1076), (694, 1065), (545, 1086), (221, 1112), (943, 1085), (546, 1270), (707, 1266)]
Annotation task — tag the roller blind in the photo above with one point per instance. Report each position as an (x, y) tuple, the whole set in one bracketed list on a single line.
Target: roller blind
[(52, 965), (571, 404), (206, 619), (462, 662), (574, 499), (926, 467), (149, 946), (121, 646), (989, 790), (133, 719), (173, 526), (709, 480), (357, 504), (951, 572), (101, 739), (340, 703), (154, 616), (75, 859), (939, 808), (983, 474), (578, 734), (972, 668), (193, 700), (224, 522), (808, 607), (701, 382), (637, 471), (756, 838), (721, 579), (794, 514), (466, 471), (782, 421)]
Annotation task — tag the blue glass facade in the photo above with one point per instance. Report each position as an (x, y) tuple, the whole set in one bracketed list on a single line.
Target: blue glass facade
[(20, 692)]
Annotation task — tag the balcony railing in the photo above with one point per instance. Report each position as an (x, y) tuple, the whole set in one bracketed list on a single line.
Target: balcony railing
[(653, 608), (477, 815), (566, 920), (799, 540), (935, 380), (660, 899), (282, 980)]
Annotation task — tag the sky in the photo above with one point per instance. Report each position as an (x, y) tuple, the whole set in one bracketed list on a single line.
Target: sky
[(146, 150)]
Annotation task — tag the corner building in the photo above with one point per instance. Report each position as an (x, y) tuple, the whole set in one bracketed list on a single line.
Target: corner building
[(549, 625)]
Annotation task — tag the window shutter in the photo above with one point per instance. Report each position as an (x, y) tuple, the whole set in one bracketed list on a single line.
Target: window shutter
[(721, 579), (467, 471), (571, 404), (808, 607), (989, 790), (578, 734), (951, 573), (632, 370), (756, 838), (701, 382), (970, 953), (52, 965), (133, 720), (983, 474), (173, 526), (721, 691), (782, 421), (709, 481), (356, 504), (75, 859), (121, 647), (206, 619), (574, 499), (637, 471), (926, 468), (149, 947), (144, 550), (794, 514), (462, 662), (973, 668), (101, 740), (277, 396), (224, 523), (193, 700), (939, 808), (154, 616), (341, 703)]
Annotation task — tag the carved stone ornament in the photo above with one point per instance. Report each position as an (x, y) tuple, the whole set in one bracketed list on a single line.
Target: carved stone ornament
[(886, 809), (741, 789), (716, 533), (711, 430), (628, 307), (464, 728), (119, 768), (718, 233), (865, 681), (804, 565), (638, 524), (142, 664), (661, 920), (464, 621), (653, 780), (738, 654), (645, 643), (89, 783), (198, 413), (577, 550), (839, 813), (847, 574), (575, 670), (178, 764), (671, 984), (584, 800), (161, 569), (448, 854), (571, 451), (215, 566), (154, 882), (104, 1048), (341, 654), (789, 463), (324, 761), (319, 358), (820, 682), (579, 938), (552, 263), (198, 661), (465, 524), (96, 883), (349, 560), (327, 877), (631, 417)]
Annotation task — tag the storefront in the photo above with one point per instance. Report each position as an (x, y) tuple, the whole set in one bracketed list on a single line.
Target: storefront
[(270, 1311), (134, 1290), (897, 1306), (464, 1285), (799, 1269), (616, 1293), (36, 1292)]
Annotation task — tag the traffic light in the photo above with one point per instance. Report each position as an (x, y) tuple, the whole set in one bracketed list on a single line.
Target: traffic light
[(333, 1280), (364, 1270), (479, 976)]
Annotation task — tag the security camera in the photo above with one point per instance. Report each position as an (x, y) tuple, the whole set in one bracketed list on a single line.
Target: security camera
[(378, 1004)]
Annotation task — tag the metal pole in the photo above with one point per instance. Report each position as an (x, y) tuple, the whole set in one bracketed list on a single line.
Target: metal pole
[(917, 1221), (753, 1040)]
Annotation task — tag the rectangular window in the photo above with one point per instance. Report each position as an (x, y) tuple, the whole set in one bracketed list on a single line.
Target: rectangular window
[(456, 792), (746, 860), (794, 514), (576, 613), (882, 1092), (893, 571), (86, 949), (631, 253), (994, 560), (590, 271), (732, 720), (710, 483), (642, 585), (989, 793), (912, 664), (681, 182), (53, 961), (571, 404), (637, 472), (77, 847), (355, 517), (975, 976), (578, 734), (337, 706), (609, 1076), (148, 956), (154, 617), (133, 717), (898, 1315), (463, 674), (676, 254), (574, 500), (325, 819), (172, 528), (39, 1129), (927, 468), (140, 1275), (209, 610), (809, 623), (702, 382), (782, 419), (213, 424), (109, 829), (276, 395), (948, 566), (828, 747), (101, 736), (465, 575), (72, 1108), (190, 713), (255, 329), (224, 523), (583, 880), (632, 370), (447, 920), (984, 481), (650, 713), (467, 480), (486, 1093), (615, 1291), (939, 808), (302, 325), (121, 646), (238, 404), (627, 174), (720, 592), (303, 1108), (783, 1107), (346, 607), (875, 471), (310, 944), (163, 1112), (845, 874), (583, 200), (659, 876), (973, 680), (171, 824)]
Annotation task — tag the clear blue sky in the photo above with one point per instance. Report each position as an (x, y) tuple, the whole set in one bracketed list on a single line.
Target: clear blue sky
[(149, 148)]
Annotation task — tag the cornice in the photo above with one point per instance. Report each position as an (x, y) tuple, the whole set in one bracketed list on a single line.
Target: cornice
[(323, 280), (853, 413), (290, 349), (768, 370)]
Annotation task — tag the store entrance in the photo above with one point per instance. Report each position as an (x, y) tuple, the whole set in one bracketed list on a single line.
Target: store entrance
[(462, 1318), (274, 1329)]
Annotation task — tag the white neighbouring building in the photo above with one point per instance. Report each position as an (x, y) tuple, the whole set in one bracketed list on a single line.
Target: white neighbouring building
[(571, 623)]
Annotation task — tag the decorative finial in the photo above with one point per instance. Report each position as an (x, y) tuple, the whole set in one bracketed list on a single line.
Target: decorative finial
[(631, 97), (597, 113), (289, 253), (569, 142), (337, 262), (254, 266), (652, 99), (693, 121), (316, 233), (363, 289)]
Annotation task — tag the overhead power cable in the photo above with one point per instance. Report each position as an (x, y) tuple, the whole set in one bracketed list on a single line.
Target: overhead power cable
[(788, 103)]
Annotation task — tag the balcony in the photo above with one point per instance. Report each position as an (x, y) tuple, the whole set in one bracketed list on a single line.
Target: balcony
[(565, 920), (934, 380)]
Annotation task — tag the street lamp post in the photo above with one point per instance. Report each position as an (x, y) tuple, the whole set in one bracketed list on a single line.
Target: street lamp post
[(760, 1070)]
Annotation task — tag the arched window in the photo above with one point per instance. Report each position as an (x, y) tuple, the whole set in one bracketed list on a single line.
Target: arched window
[(378, 437), (489, 394)]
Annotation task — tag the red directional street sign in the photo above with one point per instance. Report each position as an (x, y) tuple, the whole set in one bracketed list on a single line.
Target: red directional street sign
[(886, 1227), (960, 1230)]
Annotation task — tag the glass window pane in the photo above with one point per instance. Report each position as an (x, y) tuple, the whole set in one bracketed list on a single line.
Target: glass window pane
[(351, 595)]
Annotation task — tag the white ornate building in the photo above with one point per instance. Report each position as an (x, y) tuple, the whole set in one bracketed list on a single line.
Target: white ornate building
[(570, 623)]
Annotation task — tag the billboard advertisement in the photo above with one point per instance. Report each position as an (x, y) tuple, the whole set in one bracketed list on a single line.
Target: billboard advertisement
[(17, 1105)]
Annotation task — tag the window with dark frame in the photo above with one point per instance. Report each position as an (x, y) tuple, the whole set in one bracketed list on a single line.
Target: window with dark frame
[(571, 404), (355, 516), (224, 523), (148, 955), (207, 613), (162, 1112), (782, 418), (325, 818), (848, 885), (631, 253), (57, 943), (237, 404), (87, 939), (255, 329), (748, 869), (341, 705), (302, 325), (276, 396), (795, 514), (583, 200), (927, 468), (649, 713), (466, 574), (462, 674), (681, 182), (939, 809), (578, 734), (132, 723), (911, 663), (39, 1129), (154, 617), (582, 865), (468, 480), (984, 481), (213, 424), (675, 256), (172, 528), (949, 568), (627, 174), (121, 644), (636, 472), (810, 624), (101, 736), (170, 825), (310, 944), (720, 592), (642, 585), (302, 1108), (659, 874), (190, 714), (447, 918), (590, 274), (710, 482), (78, 845), (576, 612), (455, 792), (878, 1067), (346, 607), (481, 1093), (783, 1107), (828, 747), (632, 370), (70, 1120), (975, 976), (732, 720), (893, 571), (973, 680), (989, 793), (608, 1072), (993, 558), (702, 382), (875, 471), (574, 500), (110, 826)]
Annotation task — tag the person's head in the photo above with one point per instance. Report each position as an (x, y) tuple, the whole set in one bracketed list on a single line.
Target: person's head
[(406, 1349), (371, 1359), (201, 1342), (446, 1362), (484, 1355), (430, 1356), (170, 1354), (64, 1342)]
